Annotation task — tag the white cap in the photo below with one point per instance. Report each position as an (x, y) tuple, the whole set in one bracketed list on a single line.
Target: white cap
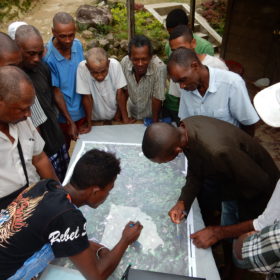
[(267, 104), (13, 28)]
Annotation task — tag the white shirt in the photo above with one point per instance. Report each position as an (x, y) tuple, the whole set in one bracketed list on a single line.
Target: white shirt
[(271, 214), (12, 175), (103, 93), (208, 60)]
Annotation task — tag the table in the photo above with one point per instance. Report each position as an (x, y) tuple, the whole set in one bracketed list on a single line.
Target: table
[(133, 134)]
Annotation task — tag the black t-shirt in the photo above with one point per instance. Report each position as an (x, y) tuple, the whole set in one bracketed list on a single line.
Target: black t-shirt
[(40, 214)]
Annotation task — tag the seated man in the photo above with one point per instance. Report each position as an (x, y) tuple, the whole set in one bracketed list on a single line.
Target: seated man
[(43, 222), (146, 78), (29, 39), (100, 80), (23, 161), (221, 152), (210, 91), (182, 36)]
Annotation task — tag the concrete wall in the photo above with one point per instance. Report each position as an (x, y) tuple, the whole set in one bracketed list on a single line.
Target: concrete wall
[(250, 38)]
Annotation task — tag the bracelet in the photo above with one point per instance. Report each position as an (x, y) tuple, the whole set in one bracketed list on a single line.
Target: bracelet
[(99, 249)]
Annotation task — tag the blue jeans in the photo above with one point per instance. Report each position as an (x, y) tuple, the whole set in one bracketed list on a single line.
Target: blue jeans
[(229, 214), (35, 264)]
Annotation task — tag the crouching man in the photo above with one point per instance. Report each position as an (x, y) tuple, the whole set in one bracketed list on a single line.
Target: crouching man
[(43, 223)]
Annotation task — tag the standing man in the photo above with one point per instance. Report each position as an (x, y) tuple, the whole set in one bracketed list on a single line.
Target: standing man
[(211, 92), (146, 79), (29, 39), (64, 53), (23, 161), (100, 80)]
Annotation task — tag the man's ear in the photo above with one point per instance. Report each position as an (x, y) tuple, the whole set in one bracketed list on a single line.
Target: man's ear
[(193, 43), (95, 190), (194, 65), (178, 150), (53, 32)]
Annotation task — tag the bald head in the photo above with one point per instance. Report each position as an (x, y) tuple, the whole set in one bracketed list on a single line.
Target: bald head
[(9, 51), (97, 56), (182, 57), (11, 79), (160, 140), (26, 32), (62, 18)]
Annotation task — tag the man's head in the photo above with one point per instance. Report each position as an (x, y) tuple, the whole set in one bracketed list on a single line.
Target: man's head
[(176, 17), (31, 44), (181, 36), (267, 104), (97, 63), (9, 51), (95, 174), (64, 30), (16, 95), (140, 52), (184, 68), (162, 142)]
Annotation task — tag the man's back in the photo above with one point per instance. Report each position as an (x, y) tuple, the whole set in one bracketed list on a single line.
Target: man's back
[(40, 214)]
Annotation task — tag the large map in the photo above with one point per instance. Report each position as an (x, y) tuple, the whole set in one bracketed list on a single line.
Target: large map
[(144, 191)]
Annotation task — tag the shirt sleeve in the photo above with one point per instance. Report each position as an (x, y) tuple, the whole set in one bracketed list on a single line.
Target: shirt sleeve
[(82, 81), (240, 104), (67, 234), (120, 78), (271, 214), (261, 250), (38, 116), (39, 143)]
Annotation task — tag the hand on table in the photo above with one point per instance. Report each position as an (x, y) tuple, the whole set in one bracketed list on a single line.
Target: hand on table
[(177, 212), (73, 131), (131, 232), (85, 128), (129, 121)]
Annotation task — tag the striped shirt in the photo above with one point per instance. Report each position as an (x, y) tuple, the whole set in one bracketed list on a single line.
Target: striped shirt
[(37, 114), (261, 251), (141, 93)]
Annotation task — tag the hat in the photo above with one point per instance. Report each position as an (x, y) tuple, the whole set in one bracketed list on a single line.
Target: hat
[(13, 28), (267, 104)]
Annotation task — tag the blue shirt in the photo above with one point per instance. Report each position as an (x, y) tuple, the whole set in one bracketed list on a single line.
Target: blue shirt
[(226, 99), (64, 77)]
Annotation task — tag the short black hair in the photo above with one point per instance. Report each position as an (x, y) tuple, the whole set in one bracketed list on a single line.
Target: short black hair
[(181, 31), (182, 57), (139, 41), (11, 78), (8, 45), (62, 17), (176, 17), (95, 168), (159, 140)]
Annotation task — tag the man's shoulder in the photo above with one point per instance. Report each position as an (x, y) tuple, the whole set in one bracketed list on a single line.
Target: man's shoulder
[(157, 62), (125, 61), (224, 76)]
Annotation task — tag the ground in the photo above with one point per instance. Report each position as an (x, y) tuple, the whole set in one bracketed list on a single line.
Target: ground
[(41, 17)]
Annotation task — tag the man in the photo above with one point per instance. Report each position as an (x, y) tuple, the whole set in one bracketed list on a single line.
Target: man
[(182, 36), (211, 92), (31, 45), (219, 151), (10, 55), (260, 251), (50, 220), (100, 80), (64, 53), (23, 161), (146, 77), (179, 17)]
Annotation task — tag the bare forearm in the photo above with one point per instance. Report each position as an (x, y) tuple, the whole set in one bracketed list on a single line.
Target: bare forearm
[(156, 107), (250, 129), (88, 106), (60, 103), (236, 230), (121, 101)]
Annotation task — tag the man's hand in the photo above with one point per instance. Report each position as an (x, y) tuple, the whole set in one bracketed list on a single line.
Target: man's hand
[(73, 131), (206, 237), (85, 128), (131, 232), (177, 212), (129, 121)]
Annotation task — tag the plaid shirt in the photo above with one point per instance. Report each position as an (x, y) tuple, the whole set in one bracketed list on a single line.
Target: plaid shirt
[(262, 251)]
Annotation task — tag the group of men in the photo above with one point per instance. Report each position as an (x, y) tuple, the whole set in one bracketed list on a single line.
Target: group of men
[(62, 91)]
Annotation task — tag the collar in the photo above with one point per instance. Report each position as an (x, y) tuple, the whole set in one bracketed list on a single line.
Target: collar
[(57, 54), (212, 77)]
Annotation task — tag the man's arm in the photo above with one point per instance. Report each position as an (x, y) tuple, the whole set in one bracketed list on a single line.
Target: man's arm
[(212, 234), (60, 102), (156, 108), (122, 97), (250, 129), (94, 268), (44, 166), (87, 101)]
